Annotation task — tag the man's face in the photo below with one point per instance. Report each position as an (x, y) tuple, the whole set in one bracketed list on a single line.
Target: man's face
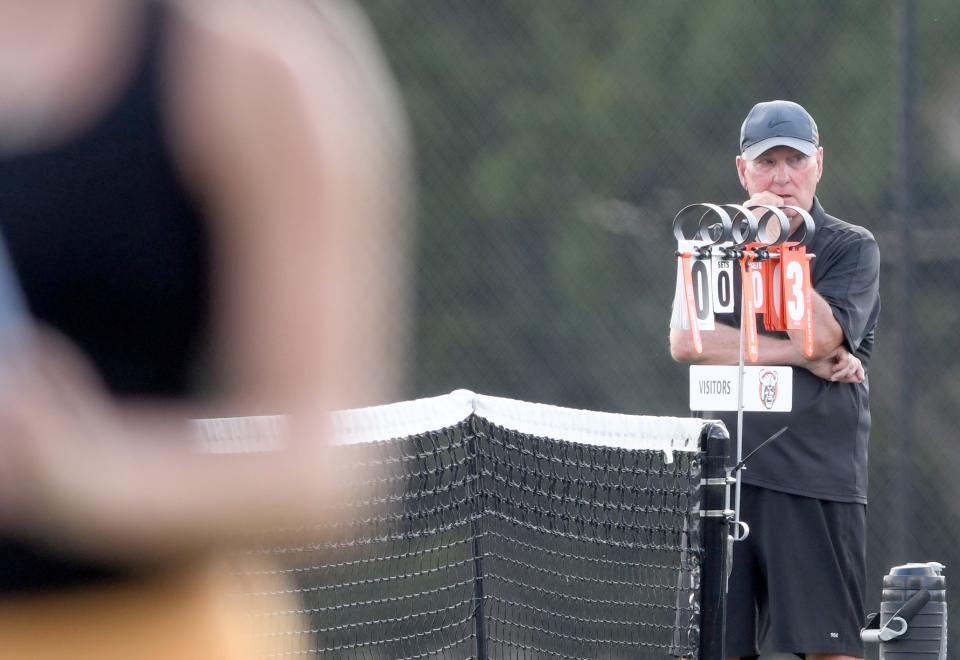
[(785, 172)]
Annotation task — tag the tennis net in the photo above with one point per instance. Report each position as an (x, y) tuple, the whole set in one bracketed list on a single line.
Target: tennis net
[(504, 529)]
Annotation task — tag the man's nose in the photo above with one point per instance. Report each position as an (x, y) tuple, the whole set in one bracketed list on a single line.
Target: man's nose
[(781, 174)]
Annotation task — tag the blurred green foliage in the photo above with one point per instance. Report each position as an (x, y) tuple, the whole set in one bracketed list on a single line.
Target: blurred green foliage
[(556, 139)]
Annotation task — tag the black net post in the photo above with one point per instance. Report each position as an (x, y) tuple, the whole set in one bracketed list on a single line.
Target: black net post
[(475, 532), (716, 444)]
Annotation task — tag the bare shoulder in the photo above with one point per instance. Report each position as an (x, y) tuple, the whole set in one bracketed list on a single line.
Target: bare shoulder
[(301, 36), (243, 68)]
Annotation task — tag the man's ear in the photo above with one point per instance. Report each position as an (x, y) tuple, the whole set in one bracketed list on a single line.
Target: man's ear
[(741, 171)]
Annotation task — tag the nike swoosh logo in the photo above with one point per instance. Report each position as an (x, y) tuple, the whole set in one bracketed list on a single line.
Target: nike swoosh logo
[(773, 124)]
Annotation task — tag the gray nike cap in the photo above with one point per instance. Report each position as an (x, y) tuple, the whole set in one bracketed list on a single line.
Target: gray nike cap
[(778, 124)]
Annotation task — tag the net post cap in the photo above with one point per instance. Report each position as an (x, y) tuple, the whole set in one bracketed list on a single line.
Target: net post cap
[(778, 124)]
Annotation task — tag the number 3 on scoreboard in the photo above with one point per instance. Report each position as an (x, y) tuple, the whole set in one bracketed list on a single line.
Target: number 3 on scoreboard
[(796, 305), (796, 287)]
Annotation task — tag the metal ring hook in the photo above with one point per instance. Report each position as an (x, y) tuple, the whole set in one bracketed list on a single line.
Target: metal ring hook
[(744, 225), (704, 231), (737, 526), (772, 212), (809, 227)]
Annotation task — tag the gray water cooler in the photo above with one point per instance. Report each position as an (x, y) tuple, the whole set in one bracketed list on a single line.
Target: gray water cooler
[(912, 622)]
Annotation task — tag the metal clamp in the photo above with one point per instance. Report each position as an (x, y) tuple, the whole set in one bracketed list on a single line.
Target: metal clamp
[(718, 481), (716, 513)]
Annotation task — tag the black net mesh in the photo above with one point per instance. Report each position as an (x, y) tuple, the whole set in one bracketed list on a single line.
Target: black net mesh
[(483, 542)]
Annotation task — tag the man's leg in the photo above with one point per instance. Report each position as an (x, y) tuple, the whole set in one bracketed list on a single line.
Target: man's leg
[(815, 566)]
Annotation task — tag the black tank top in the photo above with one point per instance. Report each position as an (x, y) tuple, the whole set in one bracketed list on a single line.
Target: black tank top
[(112, 252)]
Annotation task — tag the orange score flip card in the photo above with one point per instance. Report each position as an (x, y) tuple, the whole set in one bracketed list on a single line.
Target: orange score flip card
[(691, 302), (797, 292), (749, 310)]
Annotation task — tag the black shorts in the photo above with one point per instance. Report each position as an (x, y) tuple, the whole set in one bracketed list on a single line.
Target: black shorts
[(798, 580)]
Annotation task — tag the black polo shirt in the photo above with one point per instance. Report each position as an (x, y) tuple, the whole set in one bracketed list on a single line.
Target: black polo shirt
[(823, 454)]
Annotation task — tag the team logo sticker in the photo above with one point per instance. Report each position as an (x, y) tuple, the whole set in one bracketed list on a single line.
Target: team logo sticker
[(768, 388)]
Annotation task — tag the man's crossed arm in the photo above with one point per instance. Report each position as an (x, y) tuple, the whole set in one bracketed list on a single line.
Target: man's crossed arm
[(831, 359)]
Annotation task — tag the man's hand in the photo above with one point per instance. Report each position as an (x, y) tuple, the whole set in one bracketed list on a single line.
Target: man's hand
[(840, 366), (772, 230), (765, 197)]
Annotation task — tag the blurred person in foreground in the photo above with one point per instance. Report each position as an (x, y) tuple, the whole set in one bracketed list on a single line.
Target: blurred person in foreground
[(798, 580), (191, 192)]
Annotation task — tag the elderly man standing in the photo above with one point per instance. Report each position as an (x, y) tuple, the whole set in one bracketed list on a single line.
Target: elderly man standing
[(798, 579)]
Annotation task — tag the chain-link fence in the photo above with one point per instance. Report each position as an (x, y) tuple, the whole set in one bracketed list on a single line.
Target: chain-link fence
[(556, 139)]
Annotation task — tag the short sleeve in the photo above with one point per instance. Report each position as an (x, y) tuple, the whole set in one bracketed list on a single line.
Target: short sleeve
[(851, 285)]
